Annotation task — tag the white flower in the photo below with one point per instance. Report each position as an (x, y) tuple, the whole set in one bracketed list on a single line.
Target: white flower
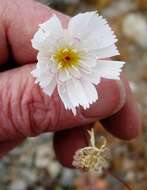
[(74, 59)]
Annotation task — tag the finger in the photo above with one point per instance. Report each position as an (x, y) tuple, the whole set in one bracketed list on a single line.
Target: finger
[(20, 20), (126, 123), (27, 111), (5, 147), (3, 44), (67, 142)]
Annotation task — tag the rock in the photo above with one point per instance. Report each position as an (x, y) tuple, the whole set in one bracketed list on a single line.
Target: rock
[(44, 155), (133, 86), (54, 169), (28, 176), (18, 185), (128, 164), (118, 8), (134, 27), (130, 176), (67, 177)]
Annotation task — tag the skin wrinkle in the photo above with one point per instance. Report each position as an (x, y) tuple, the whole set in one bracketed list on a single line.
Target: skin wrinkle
[(56, 112), (3, 130), (6, 98), (14, 101), (19, 133), (16, 119), (3, 113), (33, 105), (20, 107), (41, 110), (36, 113), (26, 103), (23, 107)]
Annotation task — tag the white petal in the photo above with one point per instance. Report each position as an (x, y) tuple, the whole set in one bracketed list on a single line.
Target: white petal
[(42, 78), (109, 69), (47, 34), (63, 75), (52, 25), (45, 80), (40, 39), (92, 77), (88, 60), (93, 29), (89, 74), (85, 67), (79, 25), (45, 42), (107, 52), (53, 67), (74, 71), (42, 55), (65, 99), (77, 93), (49, 89), (38, 72), (101, 36), (90, 91), (44, 68), (45, 63)]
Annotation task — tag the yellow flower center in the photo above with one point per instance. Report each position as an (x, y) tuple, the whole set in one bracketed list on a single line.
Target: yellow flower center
[(67, 57)]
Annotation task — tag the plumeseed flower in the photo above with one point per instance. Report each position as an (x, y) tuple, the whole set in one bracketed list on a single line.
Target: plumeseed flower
[(92, 158), (74, 59)]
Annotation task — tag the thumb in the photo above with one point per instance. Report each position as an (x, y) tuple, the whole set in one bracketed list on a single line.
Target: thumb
[(26, 111)]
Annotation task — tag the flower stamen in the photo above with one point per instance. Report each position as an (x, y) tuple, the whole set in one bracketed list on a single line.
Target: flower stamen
[(67, 57)]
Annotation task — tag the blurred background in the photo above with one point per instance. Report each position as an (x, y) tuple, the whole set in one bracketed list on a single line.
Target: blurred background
[(33, 166)]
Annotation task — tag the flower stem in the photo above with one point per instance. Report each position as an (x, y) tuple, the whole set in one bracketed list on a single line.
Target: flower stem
[(92, 137), (121, 181)]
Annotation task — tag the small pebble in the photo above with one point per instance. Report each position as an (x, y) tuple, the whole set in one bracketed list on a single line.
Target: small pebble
[(18, 185), (134, 27)]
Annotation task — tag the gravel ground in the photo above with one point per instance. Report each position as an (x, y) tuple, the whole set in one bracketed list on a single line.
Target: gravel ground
[(33, 165)]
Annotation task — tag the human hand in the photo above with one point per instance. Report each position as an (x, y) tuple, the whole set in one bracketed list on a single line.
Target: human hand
[(26, 111)]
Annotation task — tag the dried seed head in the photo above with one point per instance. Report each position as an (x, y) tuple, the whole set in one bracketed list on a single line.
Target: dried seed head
[(92, 158)]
